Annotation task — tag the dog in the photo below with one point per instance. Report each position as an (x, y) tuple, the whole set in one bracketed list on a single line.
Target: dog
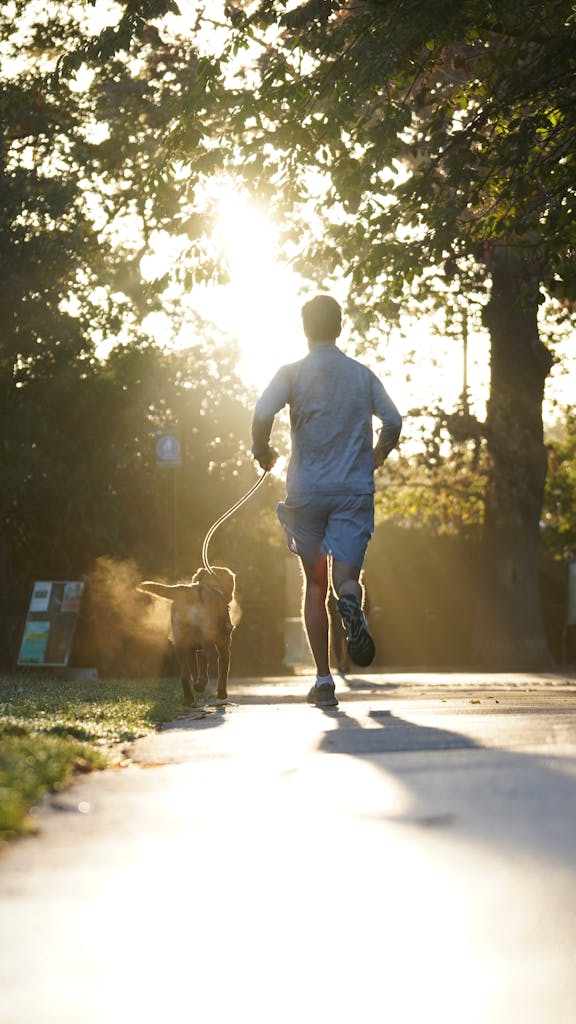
[(201, 621)]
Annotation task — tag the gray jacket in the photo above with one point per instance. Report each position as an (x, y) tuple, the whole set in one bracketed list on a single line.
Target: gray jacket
[(332, 400)]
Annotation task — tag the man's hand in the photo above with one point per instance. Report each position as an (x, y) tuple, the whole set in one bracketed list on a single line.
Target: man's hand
[(267, 459)]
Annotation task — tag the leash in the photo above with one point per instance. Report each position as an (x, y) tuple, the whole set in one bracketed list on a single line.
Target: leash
[(223, 518)]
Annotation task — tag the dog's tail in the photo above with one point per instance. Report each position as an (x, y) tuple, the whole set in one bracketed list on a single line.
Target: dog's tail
[(178, 592)]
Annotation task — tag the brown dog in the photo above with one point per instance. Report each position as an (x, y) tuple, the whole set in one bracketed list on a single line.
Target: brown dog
[(201, 620)]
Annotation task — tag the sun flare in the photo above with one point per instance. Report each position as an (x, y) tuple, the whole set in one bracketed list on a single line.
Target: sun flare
[(244, 230), (260, 306)]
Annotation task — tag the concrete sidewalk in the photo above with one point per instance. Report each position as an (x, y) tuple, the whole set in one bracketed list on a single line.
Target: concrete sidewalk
[(408, 856), (363, 685)]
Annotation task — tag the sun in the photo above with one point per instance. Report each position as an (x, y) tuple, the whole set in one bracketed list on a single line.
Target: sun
[(260, 305), (243, 228)]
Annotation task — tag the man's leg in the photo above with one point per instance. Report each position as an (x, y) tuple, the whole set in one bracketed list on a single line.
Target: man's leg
[(323, 693), (338, 642), (345, 580), (315, 613)]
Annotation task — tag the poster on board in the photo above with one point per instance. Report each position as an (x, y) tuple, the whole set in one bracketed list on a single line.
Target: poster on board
[(51, 622)]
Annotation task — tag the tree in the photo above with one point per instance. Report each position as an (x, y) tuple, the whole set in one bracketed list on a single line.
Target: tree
[(560, 498), (435, 142), (83, 385), (441, 485), (427, 136)]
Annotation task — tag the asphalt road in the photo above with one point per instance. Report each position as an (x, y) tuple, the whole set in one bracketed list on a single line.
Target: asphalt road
[(407, 857)]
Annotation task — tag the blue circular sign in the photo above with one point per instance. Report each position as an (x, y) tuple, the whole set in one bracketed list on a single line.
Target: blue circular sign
[(168, 448)]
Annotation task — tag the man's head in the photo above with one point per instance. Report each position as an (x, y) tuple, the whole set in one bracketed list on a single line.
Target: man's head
[(322, 319)]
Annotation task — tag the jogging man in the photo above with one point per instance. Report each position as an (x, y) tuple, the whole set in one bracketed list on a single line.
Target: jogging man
[(328, 514)]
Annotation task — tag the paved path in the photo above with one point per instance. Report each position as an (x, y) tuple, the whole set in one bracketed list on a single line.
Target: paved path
[(408, 857)]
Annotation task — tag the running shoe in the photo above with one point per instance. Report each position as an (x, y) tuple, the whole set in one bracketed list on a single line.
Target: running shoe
[(323, 696), (360, 644)]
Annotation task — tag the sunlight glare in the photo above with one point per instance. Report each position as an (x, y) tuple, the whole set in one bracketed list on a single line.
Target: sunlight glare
[(244, 229), (164, 252), (260, 306)]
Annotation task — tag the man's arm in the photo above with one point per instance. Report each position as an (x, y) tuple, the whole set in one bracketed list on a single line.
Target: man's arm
[(270, 402), (389, 434)]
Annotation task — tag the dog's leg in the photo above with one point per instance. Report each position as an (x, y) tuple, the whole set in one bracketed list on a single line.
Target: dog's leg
[(194, 665), (185, 674), (223, 648), (201, 680)]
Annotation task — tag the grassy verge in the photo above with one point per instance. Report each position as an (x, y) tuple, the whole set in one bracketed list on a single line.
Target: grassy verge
[(51, 728)]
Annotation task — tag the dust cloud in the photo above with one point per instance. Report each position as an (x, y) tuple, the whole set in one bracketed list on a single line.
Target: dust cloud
[(132, 631)]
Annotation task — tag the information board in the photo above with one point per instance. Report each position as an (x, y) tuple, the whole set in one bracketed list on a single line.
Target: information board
[(51, 622)]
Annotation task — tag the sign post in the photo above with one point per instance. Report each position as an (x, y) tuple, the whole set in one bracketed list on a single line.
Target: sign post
[(169, 456)]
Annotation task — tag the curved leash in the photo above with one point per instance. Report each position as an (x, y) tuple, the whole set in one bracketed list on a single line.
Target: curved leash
[(226, 516)]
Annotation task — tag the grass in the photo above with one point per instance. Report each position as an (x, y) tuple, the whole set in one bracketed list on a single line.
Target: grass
[(52, 728)]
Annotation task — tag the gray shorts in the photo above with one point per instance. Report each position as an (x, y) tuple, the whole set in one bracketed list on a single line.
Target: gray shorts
[(339, 525)]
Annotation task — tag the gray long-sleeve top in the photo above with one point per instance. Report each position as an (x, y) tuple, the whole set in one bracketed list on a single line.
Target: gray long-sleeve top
[(332, 400)]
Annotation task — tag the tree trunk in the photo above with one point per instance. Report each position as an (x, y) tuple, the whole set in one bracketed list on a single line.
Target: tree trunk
[(509, 632)]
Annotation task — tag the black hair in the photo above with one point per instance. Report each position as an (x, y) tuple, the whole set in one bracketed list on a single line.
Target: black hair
[(322, 318)]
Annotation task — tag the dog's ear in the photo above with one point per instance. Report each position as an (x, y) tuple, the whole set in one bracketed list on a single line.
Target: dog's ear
[(158, 589), (227, 580), (179, 592)]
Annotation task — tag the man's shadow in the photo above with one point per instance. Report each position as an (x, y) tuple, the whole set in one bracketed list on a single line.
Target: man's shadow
[(514, 801), (359, 684), (390, 734)]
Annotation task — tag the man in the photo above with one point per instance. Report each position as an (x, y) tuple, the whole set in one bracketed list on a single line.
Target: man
[(328, 515), (338, 641)]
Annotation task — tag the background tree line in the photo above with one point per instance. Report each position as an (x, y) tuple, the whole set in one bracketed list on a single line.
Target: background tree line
[(432, 143), (84, 387)]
